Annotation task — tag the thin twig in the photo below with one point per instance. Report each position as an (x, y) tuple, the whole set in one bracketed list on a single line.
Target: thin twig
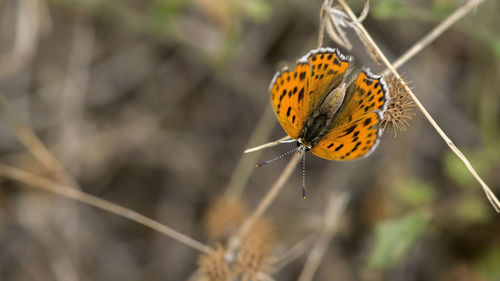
[(373, 46), (333, 212), (71, 103), (246, 165), (264, 204), (66, 191), (26, 34), (293, 253), (34, 145), (269, 144), (322, 24), (434, 33)]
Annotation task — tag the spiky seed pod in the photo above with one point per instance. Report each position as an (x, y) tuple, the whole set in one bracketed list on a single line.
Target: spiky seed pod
[(400, 108), (224, 217), (213, 267), (254, 255)]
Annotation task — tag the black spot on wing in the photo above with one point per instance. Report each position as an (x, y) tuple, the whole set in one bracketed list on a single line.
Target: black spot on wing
[(367, 121), (301, 94), (349, 130), (302, 75)]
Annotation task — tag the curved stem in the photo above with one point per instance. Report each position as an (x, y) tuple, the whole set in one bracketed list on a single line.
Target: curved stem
[(47, 185), (374, 47)]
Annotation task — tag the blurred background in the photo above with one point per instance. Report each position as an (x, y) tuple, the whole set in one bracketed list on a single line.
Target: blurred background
[(150, 104)]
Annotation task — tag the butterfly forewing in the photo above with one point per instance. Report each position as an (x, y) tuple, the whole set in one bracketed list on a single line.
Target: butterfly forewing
[(289, 97), (328, 68), (296, 94)]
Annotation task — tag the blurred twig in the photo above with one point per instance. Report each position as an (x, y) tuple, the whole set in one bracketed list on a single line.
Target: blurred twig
[(264, 204), (435, 33), (373, 47), (246, 165), (333, 212), (34, 145), (27, 30), (53, 187), (293, 253), (71, 101)]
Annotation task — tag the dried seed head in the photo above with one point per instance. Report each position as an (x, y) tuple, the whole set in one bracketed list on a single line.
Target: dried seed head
[(254, 255), (213, 267), (399, 109), (224, 217)]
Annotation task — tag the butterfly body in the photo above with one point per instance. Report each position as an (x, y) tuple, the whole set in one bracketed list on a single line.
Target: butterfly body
[(318, 106)]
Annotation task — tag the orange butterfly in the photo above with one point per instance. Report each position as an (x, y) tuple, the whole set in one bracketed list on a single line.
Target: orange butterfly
[(316, 105)]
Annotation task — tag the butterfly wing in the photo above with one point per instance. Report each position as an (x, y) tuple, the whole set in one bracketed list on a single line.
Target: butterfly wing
[(289, 97), (295, 94), (352, 140), (355, 128), (328, 68), (368, 92)]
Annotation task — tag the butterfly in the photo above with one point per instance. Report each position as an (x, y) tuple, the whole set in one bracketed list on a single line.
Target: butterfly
[(325, 110)]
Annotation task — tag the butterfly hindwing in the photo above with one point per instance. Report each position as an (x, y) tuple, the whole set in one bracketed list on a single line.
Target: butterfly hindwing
[(352, 140), (289, 96), (328, 68), (355, 128)]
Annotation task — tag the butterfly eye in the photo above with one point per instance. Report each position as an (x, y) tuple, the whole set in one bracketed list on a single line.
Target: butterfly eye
[(298, 143)]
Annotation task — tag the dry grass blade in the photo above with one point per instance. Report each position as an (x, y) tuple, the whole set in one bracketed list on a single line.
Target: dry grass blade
[(293, 253), (333, 212), (34, 145), (235, 241), (332, 20), (245, 165), (28, 25), (373, 46), (435, 33), (47, 185)]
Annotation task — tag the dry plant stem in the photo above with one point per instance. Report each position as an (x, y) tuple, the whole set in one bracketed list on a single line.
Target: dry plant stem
[(28, 138), (27, 32), (435, 33), (293, 253), (265, 202), (47, 185), (269, 144), (374, 47), (322, 24), (246, 165), (72, 97), (333, 212)]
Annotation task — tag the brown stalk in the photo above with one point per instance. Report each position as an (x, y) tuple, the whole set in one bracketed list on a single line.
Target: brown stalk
[(78, 195), (373, 47), (264, 204)]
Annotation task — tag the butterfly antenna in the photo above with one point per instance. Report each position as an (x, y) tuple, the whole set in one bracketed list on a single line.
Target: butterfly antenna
[(304, 175), (277, 158)]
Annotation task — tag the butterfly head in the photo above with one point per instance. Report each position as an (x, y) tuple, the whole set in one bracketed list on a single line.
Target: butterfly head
[(303, 146)]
